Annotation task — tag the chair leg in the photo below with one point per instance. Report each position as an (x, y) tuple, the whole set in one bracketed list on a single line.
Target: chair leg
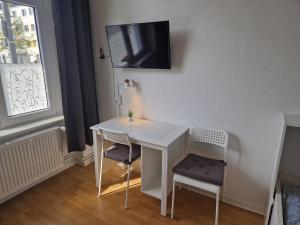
[(173, 199), (128, 179), (221, 193), (100, 174), (217, 208)]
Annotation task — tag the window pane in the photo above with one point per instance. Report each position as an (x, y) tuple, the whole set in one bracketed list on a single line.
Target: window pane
[(21, 70), (23, 12)]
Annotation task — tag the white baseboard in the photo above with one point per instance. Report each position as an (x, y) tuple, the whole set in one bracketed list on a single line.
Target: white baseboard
[(227, 200), (246, 206)]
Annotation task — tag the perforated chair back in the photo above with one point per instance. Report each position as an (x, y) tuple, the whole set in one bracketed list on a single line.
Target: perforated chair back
[(117, 153), (210, 136), (116, 137)]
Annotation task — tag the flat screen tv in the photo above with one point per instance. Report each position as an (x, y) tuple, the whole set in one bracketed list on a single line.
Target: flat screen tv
[(140, 45)]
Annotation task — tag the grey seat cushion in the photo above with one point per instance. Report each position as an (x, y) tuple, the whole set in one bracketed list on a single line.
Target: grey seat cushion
[(291, 204), (292, 210), (201, 168), (120, 153)]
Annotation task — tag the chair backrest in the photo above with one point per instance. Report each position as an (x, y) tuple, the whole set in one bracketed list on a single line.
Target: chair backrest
[(210, 136), (116, 137)]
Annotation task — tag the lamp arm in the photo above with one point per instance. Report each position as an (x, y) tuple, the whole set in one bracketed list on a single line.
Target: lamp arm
[(118, 98)]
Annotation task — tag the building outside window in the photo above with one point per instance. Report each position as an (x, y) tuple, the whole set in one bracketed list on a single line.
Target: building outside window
[(24, 13), (26, 28)]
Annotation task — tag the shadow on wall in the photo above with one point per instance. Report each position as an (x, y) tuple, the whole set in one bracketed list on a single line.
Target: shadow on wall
[(233, 172), (178, 45), (234, 151), (233, 154), (238, 183), (178, 42), (234, 177)]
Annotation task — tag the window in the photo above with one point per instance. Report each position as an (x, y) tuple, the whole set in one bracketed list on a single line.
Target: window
[(29, 86), (13, 13), (30, 11), (24, 12), (26, 28)]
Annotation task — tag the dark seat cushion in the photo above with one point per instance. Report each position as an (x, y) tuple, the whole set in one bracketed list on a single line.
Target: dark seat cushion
[(201, 168), (120, 153)]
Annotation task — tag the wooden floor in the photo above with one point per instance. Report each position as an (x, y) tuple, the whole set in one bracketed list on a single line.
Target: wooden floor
[(70, 198)]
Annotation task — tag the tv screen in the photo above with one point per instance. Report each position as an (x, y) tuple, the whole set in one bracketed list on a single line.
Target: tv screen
[(140, 45)]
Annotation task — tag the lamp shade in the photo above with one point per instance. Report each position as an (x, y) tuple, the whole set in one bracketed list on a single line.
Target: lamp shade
[(129, 83)]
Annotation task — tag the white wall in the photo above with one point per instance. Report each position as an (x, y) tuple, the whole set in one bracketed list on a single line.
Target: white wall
[(235, 66)]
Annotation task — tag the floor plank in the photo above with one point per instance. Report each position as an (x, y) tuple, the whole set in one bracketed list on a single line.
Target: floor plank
[(70, 198)]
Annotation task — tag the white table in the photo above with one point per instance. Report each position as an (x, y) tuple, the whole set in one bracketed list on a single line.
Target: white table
[(163, 145)]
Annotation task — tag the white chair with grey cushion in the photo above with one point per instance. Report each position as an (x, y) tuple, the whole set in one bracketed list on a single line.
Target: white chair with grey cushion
[(203, 172), (123, 150)]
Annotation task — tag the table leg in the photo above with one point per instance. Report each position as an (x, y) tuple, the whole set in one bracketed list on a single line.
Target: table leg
[(96, 156), (164, 183), (170, 157)]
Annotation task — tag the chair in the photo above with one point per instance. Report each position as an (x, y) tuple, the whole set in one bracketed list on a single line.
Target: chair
[(202, 172), (121, 151)]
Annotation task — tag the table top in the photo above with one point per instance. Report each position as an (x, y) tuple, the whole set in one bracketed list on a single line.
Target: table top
[(144, 131)]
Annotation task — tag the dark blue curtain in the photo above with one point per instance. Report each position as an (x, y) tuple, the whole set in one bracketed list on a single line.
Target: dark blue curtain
[(75, 57)]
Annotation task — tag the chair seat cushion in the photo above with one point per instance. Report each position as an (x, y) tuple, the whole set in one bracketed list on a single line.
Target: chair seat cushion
[(120, 153), (202, 169)]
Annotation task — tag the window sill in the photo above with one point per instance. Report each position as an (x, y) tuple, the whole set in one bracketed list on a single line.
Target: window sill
[(13, 132)]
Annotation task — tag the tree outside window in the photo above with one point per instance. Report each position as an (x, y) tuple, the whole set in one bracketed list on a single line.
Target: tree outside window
[(20, 36)]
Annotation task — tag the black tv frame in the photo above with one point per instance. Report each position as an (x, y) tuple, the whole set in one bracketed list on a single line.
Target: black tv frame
[(134, 67)]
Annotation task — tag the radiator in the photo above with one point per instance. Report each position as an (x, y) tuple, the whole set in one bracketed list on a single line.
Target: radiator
[(28, 160)]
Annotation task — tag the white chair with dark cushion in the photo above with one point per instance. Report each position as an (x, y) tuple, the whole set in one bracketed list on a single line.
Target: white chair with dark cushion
[(123, 150), (203, 172)]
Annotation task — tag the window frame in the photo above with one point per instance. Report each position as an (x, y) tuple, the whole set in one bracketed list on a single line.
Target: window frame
[(48, 53)]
